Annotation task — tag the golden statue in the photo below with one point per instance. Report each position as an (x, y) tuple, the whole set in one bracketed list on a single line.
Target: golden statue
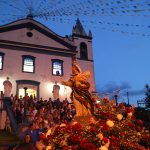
[(80, 95)]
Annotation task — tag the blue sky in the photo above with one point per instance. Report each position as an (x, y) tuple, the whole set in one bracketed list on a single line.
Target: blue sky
[(121, 41), (121, 61)]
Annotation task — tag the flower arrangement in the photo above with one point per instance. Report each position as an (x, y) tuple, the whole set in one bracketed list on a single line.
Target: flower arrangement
[(115, 129)]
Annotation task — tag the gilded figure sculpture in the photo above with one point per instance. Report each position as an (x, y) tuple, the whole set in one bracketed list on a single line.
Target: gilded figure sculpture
[(80, 95)]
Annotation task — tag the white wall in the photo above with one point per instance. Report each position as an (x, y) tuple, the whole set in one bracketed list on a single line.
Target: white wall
[(38, 38), (86, 65), (89, 47), (43, 71)]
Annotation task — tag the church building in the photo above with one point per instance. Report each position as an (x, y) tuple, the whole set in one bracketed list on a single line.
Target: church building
[(34, 57)]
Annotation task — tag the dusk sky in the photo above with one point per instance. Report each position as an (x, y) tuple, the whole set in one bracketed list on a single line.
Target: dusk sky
[(121, 40)]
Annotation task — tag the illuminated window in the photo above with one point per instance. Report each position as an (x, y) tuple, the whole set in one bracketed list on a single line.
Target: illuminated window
[(83, 51), (28, 63), (57, 67), (1, 60)]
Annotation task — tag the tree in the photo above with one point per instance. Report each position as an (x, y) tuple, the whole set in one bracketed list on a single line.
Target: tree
[(147, 98)]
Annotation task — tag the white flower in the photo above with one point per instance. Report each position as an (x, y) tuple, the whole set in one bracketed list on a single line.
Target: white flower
[(138, 133), (130, 114), (119, 116), (62, 125), (45, 121), (103, 148), (110, 123), (100, 136), (75, 122)]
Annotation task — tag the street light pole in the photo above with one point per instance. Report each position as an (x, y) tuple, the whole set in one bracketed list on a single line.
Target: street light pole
[(128, 98), (25, 107), (116, 98)]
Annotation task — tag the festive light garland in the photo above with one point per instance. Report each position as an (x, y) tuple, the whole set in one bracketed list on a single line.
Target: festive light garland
[(64, 11)]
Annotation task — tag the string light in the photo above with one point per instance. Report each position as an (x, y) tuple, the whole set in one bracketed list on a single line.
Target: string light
[(64, 11)]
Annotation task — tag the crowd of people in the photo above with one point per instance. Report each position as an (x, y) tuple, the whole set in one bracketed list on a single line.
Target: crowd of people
[(40, 115)]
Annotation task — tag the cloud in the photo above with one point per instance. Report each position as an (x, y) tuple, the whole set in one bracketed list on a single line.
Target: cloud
[(111, 87), (136, 92)]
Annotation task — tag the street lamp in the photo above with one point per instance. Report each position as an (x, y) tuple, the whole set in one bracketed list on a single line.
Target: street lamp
[(116, 98)]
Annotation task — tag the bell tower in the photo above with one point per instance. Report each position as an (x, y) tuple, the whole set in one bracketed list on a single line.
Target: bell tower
[(83, 42)]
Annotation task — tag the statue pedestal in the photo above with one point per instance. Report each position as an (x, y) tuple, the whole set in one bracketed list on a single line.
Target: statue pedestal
[(83, 120)]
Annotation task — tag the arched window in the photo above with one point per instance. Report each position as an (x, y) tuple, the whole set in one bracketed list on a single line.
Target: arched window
[(57, 67), (83, 51), (1, 60), (28, 64)]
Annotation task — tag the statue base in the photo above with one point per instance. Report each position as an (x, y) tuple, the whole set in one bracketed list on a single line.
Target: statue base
[(83, 120)]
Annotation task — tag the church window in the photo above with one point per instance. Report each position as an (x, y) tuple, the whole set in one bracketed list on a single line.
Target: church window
[(1, 60), (28, 63), (83, 51), (57, 67)]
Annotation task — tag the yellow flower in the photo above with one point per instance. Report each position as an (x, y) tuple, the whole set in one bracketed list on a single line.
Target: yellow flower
[(103, 148), (49, 147), (110, 123), (130, 114), (119, 116), (49, 132), (64, 143), (100, 136), (107, 144)]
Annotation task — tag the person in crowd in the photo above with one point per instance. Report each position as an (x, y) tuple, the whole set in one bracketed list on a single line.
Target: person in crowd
[(1, 94), (40, 145), (7, 124), (18, 115), (73, 110), (27, 98), (22, 133), (26, 145), (42, 115), (33, 133), (69, 116)]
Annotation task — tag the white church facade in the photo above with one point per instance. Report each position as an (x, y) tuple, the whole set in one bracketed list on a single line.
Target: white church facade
[(33, 56)]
